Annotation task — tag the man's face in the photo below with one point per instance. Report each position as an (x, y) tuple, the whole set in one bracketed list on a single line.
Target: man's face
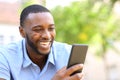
[(39, 32)]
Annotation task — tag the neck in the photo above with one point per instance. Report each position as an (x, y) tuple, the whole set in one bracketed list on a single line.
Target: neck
[(38, 59)]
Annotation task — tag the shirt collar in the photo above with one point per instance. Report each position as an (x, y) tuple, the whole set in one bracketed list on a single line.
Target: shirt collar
[(26, 59), (51, 57)]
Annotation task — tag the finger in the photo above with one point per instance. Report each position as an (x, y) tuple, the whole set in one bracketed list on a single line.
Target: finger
[(62, 69), (2, 79), (74, 68), (78, 76)]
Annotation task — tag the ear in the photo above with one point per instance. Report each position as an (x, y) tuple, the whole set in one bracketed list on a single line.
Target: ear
[(22, 32)]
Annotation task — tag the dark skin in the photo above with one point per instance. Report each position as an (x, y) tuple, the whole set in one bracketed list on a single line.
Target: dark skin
[(39, 33)]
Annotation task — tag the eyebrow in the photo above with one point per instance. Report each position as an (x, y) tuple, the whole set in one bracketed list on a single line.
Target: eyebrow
[(52, 25), (37, 26), (41, 25)]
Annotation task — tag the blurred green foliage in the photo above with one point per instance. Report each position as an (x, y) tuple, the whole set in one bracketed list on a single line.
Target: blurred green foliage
[(25, 3), (87, 22)]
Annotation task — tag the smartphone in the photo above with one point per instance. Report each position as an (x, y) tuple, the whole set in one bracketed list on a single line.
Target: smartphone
[(78, 55)]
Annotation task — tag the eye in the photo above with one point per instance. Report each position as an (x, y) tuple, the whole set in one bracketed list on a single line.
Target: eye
[(37, 29), (51, 28)]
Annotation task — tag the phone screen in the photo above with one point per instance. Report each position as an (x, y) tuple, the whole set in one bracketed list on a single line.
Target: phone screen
[(78, 55)]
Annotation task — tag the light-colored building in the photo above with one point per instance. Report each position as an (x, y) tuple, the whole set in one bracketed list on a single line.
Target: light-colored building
[(9, 20), (9, 33)]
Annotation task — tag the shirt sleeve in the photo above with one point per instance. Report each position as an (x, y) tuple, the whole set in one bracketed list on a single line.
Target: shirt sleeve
[(4, 68)]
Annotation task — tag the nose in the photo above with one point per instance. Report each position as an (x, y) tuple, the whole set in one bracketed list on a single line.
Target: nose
[(46, 34)]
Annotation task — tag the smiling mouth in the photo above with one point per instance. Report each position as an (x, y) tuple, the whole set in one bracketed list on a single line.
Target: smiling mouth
[(45, 44)]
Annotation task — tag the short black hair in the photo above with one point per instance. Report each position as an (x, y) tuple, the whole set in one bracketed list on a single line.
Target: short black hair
[(34, 8)]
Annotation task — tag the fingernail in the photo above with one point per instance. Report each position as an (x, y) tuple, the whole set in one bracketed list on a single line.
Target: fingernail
[(81, 64)]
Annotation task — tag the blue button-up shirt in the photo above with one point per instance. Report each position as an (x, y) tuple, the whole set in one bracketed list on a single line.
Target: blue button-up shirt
[(16, 65)]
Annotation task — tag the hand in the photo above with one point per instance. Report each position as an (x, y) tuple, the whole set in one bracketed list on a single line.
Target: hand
[(64, 74), (2, 79)]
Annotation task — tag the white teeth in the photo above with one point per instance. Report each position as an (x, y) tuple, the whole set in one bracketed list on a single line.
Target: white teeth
[(44, 43)]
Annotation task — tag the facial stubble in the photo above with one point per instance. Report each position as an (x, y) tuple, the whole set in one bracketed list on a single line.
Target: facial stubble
[(33, 47)]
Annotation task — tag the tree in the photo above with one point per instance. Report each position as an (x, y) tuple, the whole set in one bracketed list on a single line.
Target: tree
[(25, 3), (91, 22)]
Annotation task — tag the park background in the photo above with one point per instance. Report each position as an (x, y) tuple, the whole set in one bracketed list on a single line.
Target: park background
[(92, 22)]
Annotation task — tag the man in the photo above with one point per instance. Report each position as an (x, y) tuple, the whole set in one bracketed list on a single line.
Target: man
[(37, 56)]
